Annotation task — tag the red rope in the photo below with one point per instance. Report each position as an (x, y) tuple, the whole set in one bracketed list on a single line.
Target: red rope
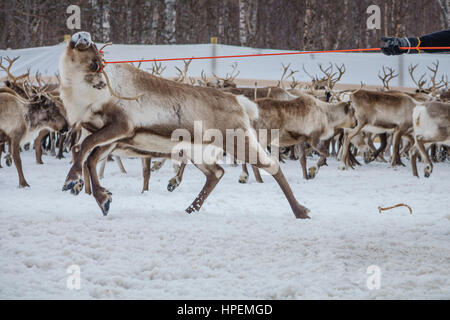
[(273, 54)]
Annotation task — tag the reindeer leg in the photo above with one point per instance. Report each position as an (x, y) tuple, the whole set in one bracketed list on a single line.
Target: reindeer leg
[(38, 146), (2, 148), (213, 175), (302, 158), (340, 142), (380, 151), (120, 164), (243, 178), (425, 157), (333, 147), (60, 154), (101, 195), (271, 164), (322, 149), (87, 175), (52, 144), (146, 164), (395, 159), (413, 158), (74, 150), (292, 156), (15, 148), (102, 168), (8, 159), (388, 145), (352, 158), (175, 181), (346, 147), (113, 131), (257, 174)]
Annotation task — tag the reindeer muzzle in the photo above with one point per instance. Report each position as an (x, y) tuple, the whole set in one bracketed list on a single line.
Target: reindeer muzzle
[(81, 41)]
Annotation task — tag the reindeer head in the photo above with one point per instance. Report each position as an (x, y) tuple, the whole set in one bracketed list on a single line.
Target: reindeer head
[(345, 114), (83, 53), (43, 112)]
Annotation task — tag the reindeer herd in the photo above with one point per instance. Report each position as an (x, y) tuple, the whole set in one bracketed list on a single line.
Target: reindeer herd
[(100, 112)]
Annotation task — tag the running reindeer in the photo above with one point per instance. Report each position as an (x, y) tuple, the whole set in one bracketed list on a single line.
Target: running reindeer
[(132, 111)]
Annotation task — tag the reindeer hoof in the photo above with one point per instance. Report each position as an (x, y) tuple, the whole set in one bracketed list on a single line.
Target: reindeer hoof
[(104, 199), (368, 159), (312, 172), (301, 212), (427, 172), (60, 157), (24, 185), (173, 184), (75, 187), (105, 207), (156, 166), (8, 160), (342, 167), (243, 178)]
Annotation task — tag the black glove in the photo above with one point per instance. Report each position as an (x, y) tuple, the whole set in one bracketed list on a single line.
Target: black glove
[(393, 45)]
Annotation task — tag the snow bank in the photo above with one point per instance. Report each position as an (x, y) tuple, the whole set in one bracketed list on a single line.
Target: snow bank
[(360, 66)]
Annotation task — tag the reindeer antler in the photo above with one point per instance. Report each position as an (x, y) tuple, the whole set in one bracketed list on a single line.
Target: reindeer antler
[(435, 86), (312, 78), (387, 77), (331, 77), (43, 86), (157, 69), (419, 83), (294, 83), (341, 71), (229, 78), (283, 76), (8, 69), (139, 64), (182, 74), (104, 46)]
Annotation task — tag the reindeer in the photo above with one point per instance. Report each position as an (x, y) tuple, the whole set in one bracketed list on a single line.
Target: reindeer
[(305, 119), (22, 85), (380, 112), (21, 121), (137, 112), (431, 122)]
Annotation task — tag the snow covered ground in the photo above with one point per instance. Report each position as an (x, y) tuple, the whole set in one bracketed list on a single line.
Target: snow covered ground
[(245, 242)]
